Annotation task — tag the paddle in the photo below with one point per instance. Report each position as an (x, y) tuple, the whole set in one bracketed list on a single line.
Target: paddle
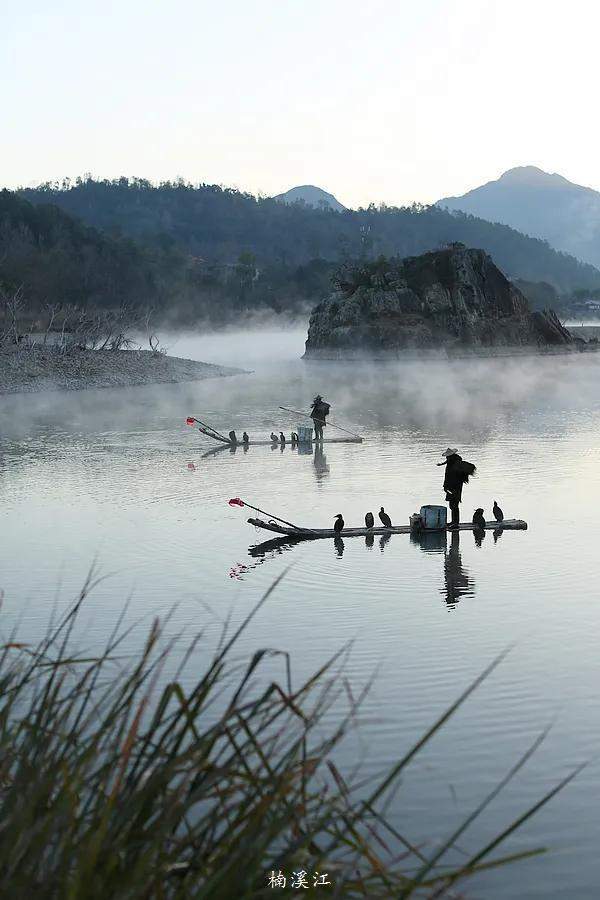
[(235, 501), (323, 422)]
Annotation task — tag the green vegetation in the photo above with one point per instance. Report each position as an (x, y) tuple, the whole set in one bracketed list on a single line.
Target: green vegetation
[(206, 252), (116, 782)]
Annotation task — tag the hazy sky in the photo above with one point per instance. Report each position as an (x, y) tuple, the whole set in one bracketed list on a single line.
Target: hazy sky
[(373, 100)]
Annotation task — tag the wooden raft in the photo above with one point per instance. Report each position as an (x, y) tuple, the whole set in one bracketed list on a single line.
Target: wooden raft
[(315, 533)]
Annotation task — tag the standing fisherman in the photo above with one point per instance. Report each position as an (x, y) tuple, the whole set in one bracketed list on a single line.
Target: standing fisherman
[(457, 474), (318, 413)]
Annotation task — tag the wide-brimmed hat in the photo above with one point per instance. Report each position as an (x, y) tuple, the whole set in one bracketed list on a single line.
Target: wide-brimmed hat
[(450, 451)]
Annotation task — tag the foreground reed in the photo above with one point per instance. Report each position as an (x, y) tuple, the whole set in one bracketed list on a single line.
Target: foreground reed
[(118, 783)]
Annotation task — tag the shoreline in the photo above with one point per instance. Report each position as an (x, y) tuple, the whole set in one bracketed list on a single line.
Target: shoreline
[(28, 371), (445, 355)]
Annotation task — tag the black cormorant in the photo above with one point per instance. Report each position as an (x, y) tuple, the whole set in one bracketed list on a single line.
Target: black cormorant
[(498, 514), (245, 438), (339, 523), (232, 437), (274, 437), (479, 518), (369, 520), (281, 437), (384, 518)]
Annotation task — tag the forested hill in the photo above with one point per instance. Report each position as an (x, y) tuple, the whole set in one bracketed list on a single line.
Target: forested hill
[(52, 258), (219, 225), (55, 258)]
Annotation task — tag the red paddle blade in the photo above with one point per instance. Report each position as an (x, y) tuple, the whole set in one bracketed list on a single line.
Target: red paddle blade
[(190, 420), (235, 501)]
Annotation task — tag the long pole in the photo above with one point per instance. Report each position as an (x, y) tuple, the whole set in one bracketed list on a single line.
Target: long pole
[(238, 502), (208, 430), (323, 422)]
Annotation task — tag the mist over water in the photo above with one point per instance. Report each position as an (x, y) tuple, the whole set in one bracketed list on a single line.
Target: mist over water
[(115, 476)]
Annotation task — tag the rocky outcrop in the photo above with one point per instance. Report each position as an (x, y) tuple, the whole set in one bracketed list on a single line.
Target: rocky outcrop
[(454, 299)]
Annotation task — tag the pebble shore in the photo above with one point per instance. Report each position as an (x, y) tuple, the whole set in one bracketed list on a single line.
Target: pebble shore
[(30, 371)]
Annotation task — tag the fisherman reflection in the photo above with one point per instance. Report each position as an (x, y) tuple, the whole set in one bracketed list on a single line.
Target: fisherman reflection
[(456, 578), (320, 463), (339, 546)]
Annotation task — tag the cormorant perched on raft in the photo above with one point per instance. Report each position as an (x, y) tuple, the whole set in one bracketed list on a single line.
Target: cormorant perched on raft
[(478, 518), (232, 437), (282, 438), (245, 438), (274, 437), (384, 518), (339, 523), (294, 438), (498, 514), (369, 520)]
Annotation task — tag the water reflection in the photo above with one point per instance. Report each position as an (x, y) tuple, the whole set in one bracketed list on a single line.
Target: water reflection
[(339, 546), (383, 540), (430, 541), (320, 463), (497, 533), (369, 541), (457, 582), (478, 534)]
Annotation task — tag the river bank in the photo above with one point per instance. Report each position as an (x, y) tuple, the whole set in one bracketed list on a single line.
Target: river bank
[(44, 369)]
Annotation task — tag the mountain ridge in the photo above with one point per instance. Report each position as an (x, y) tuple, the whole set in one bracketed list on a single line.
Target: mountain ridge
[(540, 204), (311, 195)]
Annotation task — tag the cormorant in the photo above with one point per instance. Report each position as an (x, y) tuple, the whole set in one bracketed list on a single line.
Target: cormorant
[(232, 437), (479, 518), (281, 437), (339, 523), (498, 514), (369, 520), (245, 438), (274, 437), (294, 438), (384, 518)]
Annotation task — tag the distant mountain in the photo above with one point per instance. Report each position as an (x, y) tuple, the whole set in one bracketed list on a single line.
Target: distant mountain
[(312, 196), (537, 203)]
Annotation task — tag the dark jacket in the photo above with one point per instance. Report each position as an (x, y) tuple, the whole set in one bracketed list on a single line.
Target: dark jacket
[(319, 411), (457, 474)]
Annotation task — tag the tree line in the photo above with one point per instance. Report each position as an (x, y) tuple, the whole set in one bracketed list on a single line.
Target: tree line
[(195, 252)]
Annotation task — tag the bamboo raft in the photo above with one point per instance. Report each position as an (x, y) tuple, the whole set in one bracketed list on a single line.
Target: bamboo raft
[(311, 534), (215, 435), (290, 443)]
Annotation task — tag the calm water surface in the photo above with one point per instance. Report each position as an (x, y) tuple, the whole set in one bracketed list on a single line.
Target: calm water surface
[(115, 477)]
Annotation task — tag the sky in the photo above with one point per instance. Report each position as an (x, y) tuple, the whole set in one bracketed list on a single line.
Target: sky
[(380, 101)]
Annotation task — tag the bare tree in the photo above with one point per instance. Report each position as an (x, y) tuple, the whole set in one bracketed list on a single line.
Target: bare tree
[(12, 305)]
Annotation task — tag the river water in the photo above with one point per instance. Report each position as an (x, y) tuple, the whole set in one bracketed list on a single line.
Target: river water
[(116, 479)]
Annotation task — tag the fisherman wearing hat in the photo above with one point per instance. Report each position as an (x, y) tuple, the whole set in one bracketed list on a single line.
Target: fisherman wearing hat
[(457, 474), (318, 413)]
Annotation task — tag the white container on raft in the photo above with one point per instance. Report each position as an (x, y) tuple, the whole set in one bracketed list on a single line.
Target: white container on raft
[(434, 517), (304, 434)]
